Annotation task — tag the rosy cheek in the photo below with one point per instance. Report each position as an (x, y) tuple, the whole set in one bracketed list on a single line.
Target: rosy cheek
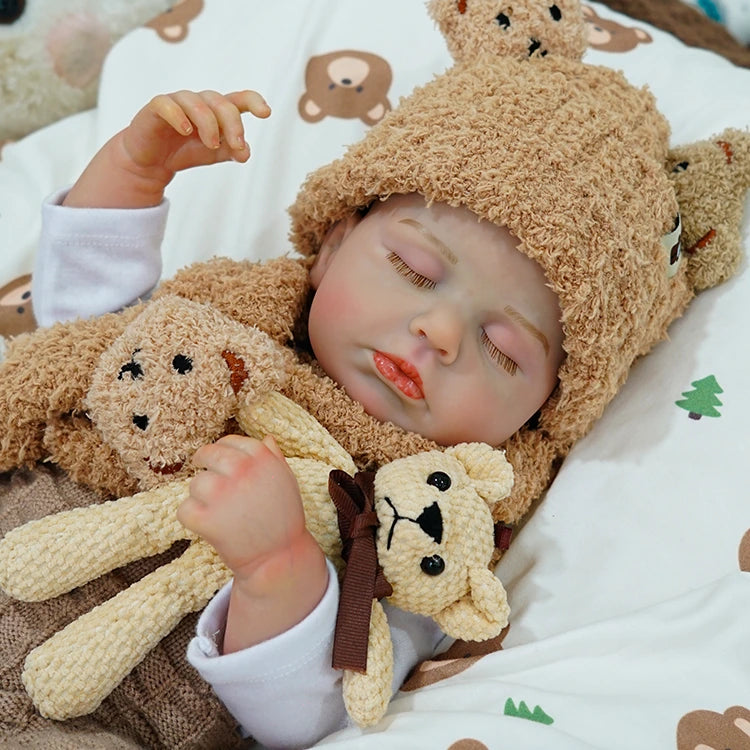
[(333, 305)]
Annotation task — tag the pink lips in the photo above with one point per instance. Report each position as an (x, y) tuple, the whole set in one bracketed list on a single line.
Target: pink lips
[(400, 372)]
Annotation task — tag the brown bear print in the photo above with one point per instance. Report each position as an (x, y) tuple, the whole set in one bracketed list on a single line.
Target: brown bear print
[(16, 315), (744, 554), (708, 730), (172, 25), (348, 84), (468, 744), (610, 36), (460, 656)]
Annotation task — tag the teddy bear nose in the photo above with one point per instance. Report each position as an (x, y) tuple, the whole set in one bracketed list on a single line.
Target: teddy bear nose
[(534, 46), (140, 421)]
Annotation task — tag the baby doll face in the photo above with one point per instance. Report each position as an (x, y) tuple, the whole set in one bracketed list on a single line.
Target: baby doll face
[(435, 321)]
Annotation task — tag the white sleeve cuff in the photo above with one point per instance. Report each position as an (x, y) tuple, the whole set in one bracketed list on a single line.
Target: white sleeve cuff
[(288, 675), (95, 260), (291, 675)]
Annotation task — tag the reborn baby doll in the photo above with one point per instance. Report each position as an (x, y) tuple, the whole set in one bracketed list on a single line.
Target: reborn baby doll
[(568, 158)]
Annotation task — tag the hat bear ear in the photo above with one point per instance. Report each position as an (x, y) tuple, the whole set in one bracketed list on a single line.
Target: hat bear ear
[(505, 28), (710, 181)]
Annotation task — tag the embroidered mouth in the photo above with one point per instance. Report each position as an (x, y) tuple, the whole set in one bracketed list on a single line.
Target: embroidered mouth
[(165, 469), (401, 373)]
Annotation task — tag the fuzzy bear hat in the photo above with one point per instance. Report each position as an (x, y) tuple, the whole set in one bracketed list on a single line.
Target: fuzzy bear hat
[(571, 158)]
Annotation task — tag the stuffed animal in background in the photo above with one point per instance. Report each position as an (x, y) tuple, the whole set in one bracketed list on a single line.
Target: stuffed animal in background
[(51, 55), (432, 538)]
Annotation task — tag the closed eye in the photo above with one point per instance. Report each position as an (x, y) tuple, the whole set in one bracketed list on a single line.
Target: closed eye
[(412, 276), (497, 355)]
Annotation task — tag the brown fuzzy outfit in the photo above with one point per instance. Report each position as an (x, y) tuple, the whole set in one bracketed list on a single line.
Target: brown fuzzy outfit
[(569, 157)]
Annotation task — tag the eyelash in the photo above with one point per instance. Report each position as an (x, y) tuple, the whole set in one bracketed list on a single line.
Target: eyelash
[(498, 356), (405, 270)]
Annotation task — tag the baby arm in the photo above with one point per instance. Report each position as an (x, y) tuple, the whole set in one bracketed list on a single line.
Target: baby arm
[(171, 133), (97, 253), (247, 505)]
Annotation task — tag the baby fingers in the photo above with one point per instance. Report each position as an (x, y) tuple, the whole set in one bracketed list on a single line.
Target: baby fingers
[(228, 456)]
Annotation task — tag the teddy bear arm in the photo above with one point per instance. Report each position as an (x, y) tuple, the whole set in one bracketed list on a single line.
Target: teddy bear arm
[(479, 615), (296, 431), (55, 554), (76, 669), (46, 373), (75, 445), (367, 695)]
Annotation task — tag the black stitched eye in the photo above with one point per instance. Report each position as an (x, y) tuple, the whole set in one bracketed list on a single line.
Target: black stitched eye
[(433, 566), (555, 12), (502, 20), (681, 167), (182, 364), (131, 368), (440, 480)]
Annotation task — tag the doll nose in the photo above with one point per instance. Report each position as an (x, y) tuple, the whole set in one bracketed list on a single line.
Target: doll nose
[(442, 329)]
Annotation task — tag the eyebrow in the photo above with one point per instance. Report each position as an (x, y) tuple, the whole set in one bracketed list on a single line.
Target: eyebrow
[(511, 312), (442, 248)]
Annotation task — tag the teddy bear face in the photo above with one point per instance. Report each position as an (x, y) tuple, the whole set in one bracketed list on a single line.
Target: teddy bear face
[(511, 29), (434, 528), (172, 381)]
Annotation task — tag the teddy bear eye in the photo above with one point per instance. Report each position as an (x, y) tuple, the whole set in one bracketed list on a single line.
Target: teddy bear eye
[(182, 364), (440, 480), (502, 20), (681, 167), (555, 12), (433, 565)]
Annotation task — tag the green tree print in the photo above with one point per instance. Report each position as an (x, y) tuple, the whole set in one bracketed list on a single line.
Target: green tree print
[(701, 401), (524, 712)]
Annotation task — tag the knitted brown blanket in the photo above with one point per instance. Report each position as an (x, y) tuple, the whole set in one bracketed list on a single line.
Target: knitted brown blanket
[(163, 703)]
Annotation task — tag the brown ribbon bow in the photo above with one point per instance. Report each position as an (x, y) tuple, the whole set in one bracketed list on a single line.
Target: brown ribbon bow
[(363, 580)]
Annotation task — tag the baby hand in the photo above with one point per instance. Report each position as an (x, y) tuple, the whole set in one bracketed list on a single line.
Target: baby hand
[(187, 129), (246, 503)]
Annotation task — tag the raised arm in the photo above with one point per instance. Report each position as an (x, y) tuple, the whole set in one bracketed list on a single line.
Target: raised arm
[(171, 133)]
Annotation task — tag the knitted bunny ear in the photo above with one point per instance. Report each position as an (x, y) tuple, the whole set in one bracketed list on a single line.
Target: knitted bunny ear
[(530, 29), (711, 179)]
